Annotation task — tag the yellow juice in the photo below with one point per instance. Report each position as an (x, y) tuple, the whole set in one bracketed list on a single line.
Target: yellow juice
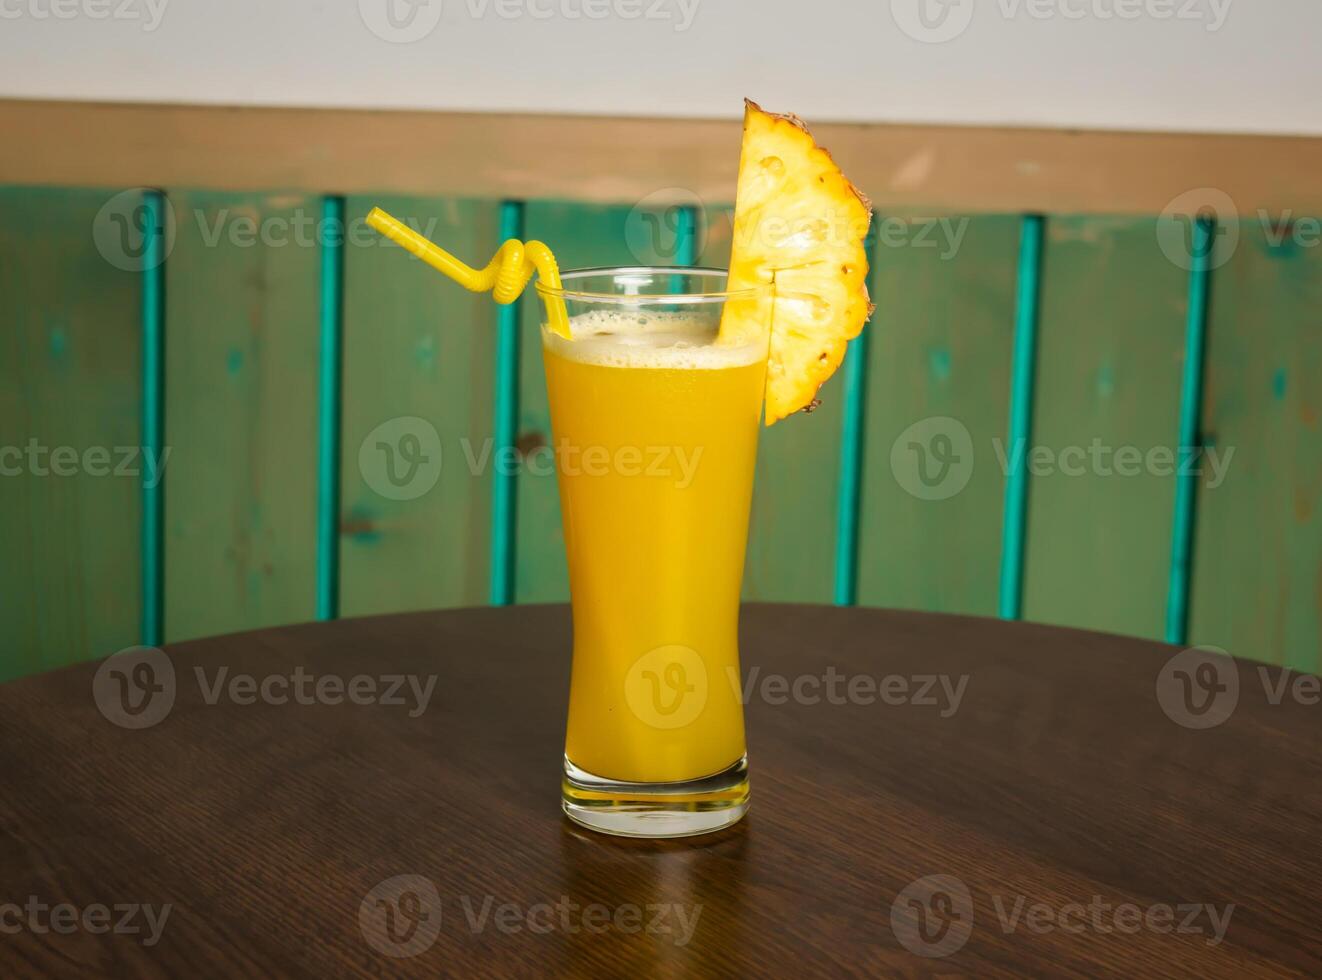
[(656, 438)]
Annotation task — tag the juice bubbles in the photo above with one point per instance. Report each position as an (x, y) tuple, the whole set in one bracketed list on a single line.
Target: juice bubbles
[(655, 433)]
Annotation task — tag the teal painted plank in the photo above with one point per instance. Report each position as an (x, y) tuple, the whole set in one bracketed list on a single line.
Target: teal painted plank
[(1191, 400), (1257, 580), (419, 453), (686, 235), (241, 403), (938, 403), (156, 241), (329, 417), (504, 482), (849, 480), (1111, 344), (71, 361), (1023, 369)]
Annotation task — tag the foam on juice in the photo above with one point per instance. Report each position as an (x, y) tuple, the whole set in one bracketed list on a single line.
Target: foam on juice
[(641, 339)]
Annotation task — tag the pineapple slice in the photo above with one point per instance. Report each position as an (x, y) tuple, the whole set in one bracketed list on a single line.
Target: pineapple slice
[(799, 222)]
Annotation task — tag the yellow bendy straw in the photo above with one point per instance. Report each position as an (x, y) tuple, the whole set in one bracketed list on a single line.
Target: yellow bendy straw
[(506, 275)]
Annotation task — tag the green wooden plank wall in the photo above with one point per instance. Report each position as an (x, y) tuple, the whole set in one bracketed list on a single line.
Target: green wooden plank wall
[(1110, 344), (240, 409), (938, 375), (419, 369), (335, 414), (70, 376), (1257, 582)]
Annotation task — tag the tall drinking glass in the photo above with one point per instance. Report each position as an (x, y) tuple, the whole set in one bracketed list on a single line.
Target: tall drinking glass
[(655, 426)]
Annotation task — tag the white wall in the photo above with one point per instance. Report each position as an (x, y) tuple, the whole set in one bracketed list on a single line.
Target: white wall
[(1214, 65)]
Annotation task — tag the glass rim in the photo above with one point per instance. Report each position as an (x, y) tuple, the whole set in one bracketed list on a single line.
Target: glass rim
[(638, 299)]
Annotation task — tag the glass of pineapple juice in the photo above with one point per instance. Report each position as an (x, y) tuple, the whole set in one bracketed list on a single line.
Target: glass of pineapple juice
[(655, 426)]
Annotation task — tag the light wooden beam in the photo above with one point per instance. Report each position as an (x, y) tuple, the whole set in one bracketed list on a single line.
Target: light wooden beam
[(612, 159)]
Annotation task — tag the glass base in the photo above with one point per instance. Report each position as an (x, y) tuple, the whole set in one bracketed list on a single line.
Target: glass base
[(696, 806)]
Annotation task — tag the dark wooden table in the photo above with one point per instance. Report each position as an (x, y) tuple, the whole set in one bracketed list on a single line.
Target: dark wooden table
[(1043, 805)]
